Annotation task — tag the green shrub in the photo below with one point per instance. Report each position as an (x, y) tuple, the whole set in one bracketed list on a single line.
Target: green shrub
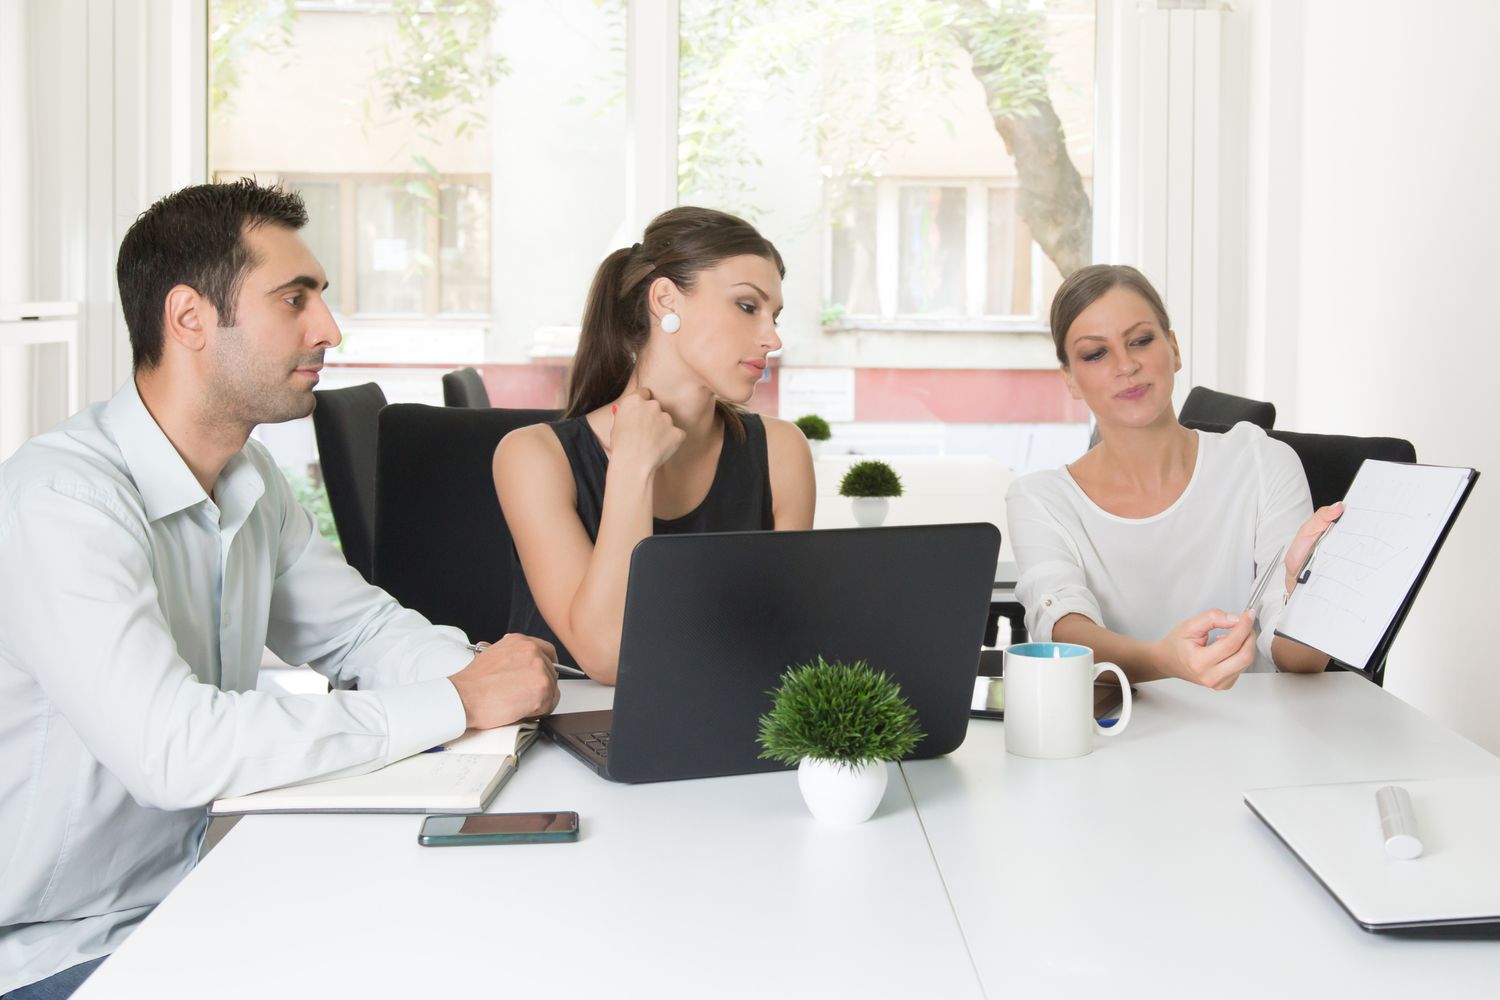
[(870, 479), (838, 711), (313, 496), (814, 427)]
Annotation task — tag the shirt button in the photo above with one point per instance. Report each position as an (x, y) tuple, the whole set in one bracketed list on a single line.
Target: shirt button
[(224, 621), (1046, 604)]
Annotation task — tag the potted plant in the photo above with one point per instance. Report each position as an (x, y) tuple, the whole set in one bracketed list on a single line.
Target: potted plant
[(871, 483), (839, 723), (816, 430)]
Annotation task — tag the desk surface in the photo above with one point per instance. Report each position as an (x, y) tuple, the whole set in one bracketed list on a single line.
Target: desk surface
[(1136, 871)]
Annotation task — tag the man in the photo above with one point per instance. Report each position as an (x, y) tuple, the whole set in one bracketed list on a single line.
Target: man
[(148, 552)]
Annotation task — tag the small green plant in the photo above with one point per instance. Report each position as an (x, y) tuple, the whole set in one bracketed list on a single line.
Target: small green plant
[(870, 478), (313, 496), (840, 712), (833, 314), (814, 427)]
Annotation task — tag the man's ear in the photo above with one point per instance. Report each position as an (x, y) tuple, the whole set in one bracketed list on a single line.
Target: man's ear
[(187, 317), (663, 297)]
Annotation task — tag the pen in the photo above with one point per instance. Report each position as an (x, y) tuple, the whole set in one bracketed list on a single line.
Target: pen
[(1265, 578), (562, 669)]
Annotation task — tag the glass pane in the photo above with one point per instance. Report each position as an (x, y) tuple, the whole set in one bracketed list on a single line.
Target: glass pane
[(322, 229), (932, 250), (870, 140), (853, 264), (412, 127), (464, 248), (390, 250), (1002, 256)]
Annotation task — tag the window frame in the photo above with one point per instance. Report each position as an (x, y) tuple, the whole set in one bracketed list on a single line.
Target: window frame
[(976, 262)]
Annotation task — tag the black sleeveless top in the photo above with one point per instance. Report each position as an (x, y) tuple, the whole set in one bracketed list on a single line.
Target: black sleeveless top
[(738, 500)]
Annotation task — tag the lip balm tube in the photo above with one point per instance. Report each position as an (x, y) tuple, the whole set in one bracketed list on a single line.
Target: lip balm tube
[(1398, 823)]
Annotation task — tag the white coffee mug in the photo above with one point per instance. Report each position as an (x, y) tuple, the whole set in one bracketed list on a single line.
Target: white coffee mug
[(1049, 700)]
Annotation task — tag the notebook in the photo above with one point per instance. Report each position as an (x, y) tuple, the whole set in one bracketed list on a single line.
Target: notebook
[(712, 621), (464, 778), (1335, 831), (1367, 568)]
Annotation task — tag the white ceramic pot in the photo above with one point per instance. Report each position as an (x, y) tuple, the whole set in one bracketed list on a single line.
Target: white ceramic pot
[(816, 447), (870, 512), (838, 794)]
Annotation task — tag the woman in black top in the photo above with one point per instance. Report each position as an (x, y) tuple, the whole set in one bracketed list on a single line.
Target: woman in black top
[(675, 335)]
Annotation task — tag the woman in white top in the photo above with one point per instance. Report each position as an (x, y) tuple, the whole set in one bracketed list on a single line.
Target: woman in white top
[(1151, 543)]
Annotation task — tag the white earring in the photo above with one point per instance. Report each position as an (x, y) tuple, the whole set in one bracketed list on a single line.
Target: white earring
[(671, 323)]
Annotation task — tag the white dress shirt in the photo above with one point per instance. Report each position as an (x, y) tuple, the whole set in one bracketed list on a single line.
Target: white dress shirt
[(133, 612), (1143, 576)]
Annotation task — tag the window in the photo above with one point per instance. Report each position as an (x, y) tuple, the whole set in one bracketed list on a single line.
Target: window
[(870, 139), (412, 128), (942, 236)]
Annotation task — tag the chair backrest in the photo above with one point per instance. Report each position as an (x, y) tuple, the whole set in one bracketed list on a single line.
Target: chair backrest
[(441, 544), (1331, 460), (1209, 406), (465, 387), (345, 422)]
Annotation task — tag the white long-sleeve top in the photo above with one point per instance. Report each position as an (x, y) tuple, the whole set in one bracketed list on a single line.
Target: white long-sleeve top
[(133, 612), (1142, 576)]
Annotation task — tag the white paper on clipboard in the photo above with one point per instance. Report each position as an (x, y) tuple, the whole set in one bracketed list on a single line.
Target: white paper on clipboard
[(1394, 514)]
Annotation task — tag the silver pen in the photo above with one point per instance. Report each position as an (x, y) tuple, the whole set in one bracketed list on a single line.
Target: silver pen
[(563, 670), (1265, 578)]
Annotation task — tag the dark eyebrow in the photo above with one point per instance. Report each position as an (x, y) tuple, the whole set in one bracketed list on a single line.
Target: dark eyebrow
[(1144, 322), (300, 281), (760, 291)]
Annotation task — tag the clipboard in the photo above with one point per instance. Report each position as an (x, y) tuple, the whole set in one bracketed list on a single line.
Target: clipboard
[(1351, 655)]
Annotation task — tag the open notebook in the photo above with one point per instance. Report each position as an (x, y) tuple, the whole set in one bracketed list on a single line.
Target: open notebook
[(462, 779)]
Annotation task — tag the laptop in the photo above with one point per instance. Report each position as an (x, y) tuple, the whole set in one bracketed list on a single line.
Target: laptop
[(712, 621), (1335, 831)]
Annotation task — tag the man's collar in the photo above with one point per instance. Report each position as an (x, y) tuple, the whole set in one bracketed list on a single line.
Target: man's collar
[(165, 482)]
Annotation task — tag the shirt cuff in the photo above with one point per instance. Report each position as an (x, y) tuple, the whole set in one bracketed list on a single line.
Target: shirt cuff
[(419, 716), (1051, 608)]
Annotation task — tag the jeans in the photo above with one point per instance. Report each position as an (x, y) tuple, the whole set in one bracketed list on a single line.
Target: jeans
[(56, 986)]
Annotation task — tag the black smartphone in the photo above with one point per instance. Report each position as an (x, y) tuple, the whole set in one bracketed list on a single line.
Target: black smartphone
[(499, 828)]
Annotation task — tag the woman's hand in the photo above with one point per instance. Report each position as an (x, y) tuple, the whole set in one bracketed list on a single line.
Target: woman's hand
[(1187, 652), (1307, 535), (643, 433)]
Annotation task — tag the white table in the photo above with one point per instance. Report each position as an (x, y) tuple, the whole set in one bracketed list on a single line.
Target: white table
[(717, 888), (1137, 871)]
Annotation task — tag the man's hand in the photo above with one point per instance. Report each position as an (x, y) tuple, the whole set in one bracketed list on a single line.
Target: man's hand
[(1186, 651), (507, 682)]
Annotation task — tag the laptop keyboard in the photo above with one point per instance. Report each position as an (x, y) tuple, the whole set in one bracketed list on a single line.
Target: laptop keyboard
[(596, 742)]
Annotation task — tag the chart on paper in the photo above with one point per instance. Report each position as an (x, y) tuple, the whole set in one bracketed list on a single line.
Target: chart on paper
[(1369, 561)]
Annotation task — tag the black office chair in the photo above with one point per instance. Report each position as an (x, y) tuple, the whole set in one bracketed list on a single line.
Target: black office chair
[(465, 387), (441, 544), (1209, 406), (1331, 460), (345, 422)]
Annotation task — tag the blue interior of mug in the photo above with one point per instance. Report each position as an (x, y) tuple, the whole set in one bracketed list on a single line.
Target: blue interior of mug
[(1048, 650)]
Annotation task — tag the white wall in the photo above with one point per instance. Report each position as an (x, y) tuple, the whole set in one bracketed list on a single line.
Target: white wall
[(1392, 183)]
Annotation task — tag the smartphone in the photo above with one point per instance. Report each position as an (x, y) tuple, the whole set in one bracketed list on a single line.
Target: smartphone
[(499, 828)]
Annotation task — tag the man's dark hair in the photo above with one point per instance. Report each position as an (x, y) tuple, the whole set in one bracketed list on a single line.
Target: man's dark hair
[(194, 237)]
